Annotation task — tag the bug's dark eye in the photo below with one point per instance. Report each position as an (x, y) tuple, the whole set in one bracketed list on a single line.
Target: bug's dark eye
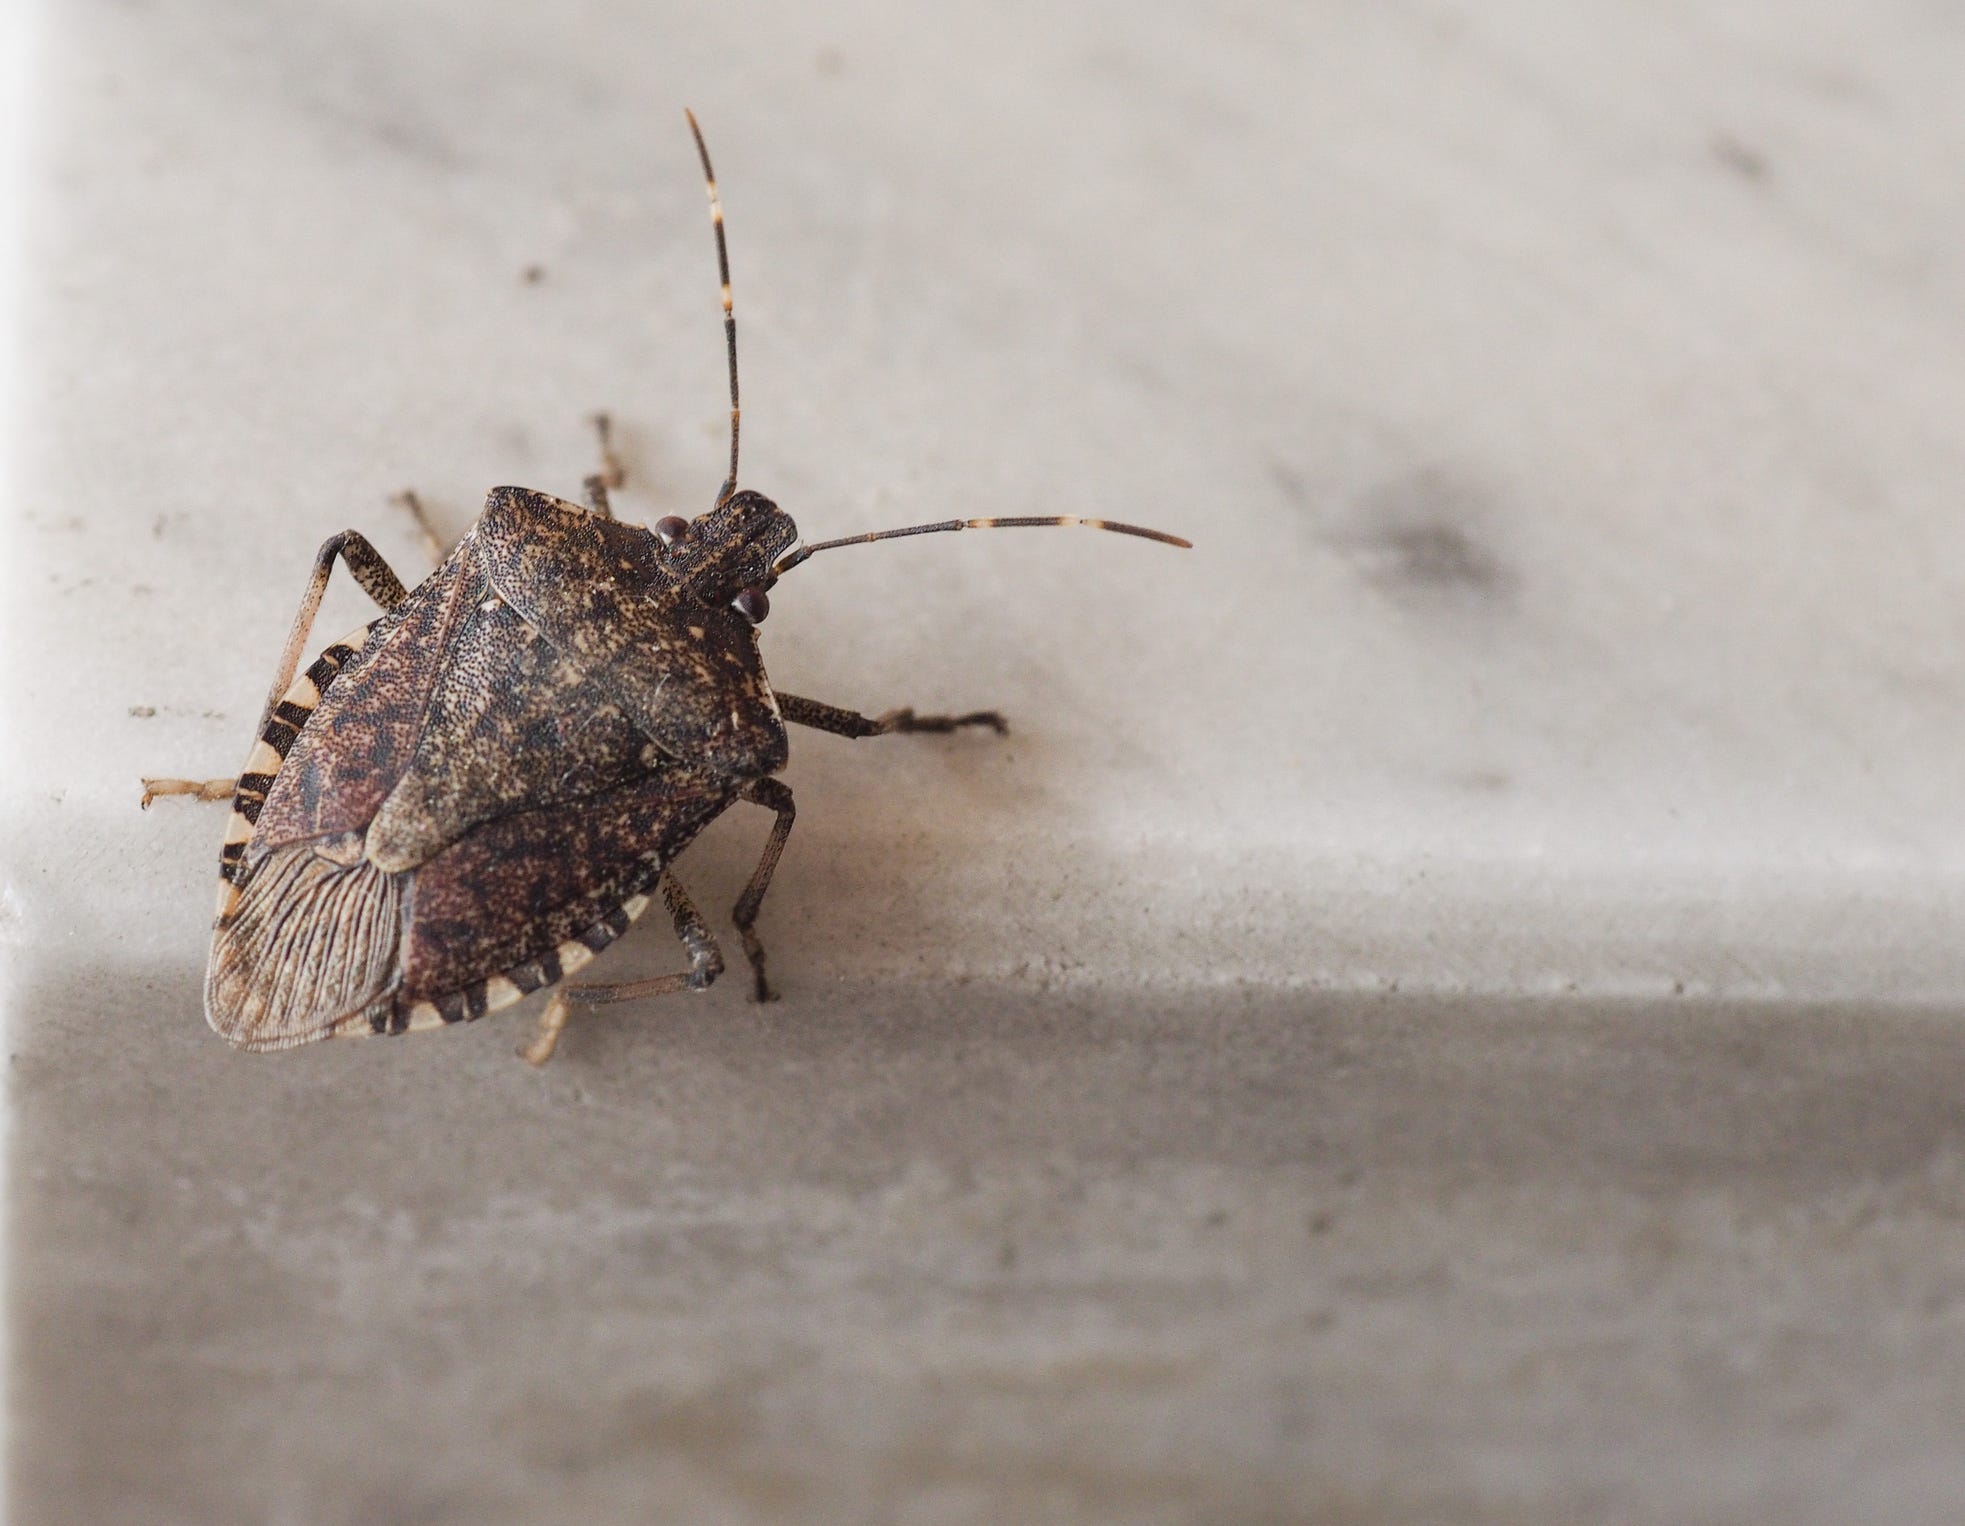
[(752, 604), (672, 528)]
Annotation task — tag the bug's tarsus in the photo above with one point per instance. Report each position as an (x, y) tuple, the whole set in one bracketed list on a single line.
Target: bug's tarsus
[(904, 720), (729, 312), (994, 522), (705, 964), (611, 474), (426, 532)]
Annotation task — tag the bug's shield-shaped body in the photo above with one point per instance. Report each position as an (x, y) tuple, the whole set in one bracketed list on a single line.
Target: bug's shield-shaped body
[(467, 801)]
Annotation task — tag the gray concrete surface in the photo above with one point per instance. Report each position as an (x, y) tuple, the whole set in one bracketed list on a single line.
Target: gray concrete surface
[(967, 1254), (1446, 1006)]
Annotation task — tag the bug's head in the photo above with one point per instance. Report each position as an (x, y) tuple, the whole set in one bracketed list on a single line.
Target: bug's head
[(726, 555)]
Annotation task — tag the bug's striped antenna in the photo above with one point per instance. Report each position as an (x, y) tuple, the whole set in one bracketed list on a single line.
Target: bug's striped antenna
[(1012, 522), (729, 313)]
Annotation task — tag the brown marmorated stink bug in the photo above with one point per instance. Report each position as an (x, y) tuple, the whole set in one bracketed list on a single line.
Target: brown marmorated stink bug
[(469, 798)]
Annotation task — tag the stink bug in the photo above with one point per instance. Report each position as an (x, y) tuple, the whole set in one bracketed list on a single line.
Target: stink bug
[(470, 797)]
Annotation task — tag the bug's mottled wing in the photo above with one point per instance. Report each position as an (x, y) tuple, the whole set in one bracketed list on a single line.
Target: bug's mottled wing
[(345, 734), (442, 813), (308, 929)]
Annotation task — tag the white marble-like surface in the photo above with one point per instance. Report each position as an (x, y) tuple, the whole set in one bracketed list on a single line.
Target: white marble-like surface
[(1564, 401), (1564, 404)]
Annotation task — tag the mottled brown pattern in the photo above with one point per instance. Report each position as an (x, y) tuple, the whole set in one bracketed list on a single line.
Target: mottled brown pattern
[(506, 761), (511, 725), (608, 596), (513, 889)]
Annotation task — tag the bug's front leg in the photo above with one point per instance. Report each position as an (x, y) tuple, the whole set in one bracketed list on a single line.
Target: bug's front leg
[(775, 795), (611, 473), (412, 505), (705, 964), (850, 723)]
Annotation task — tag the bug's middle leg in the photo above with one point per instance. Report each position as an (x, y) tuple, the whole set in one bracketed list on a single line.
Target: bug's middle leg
[(705, 964), (850, 723)]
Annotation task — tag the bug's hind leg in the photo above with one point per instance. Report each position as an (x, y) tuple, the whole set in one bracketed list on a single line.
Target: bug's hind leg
[(202, 789), (850, 723), (705, 964), (776, 796), (611, 474), (377, 580)]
